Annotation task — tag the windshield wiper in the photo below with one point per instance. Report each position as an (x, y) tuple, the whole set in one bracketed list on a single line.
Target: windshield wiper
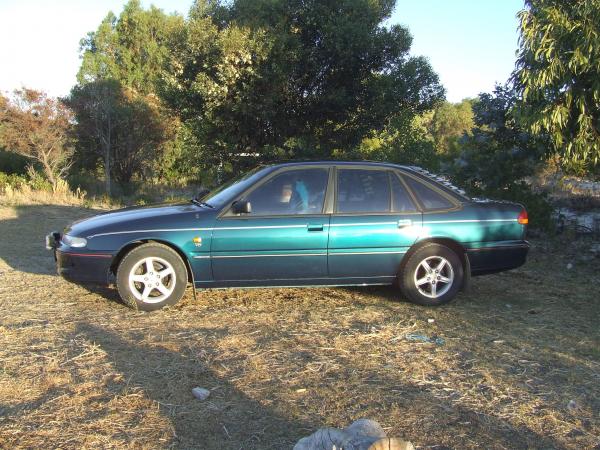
[(195, 201)]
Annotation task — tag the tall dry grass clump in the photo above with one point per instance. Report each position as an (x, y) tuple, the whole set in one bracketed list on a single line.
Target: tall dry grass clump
[(25, 194)]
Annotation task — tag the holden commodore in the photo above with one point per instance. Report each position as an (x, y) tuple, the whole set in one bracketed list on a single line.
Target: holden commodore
[(300, 224)]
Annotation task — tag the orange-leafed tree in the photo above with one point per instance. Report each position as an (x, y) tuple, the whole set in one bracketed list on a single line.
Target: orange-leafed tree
[(38, 127)]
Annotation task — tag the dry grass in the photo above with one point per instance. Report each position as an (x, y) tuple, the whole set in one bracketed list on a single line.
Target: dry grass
[(25, 195), (80, 370)]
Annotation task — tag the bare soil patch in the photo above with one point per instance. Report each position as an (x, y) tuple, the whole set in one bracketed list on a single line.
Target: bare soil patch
[(519, 367)]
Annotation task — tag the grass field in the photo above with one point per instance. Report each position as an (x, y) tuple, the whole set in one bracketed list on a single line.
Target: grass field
[(519, 367)]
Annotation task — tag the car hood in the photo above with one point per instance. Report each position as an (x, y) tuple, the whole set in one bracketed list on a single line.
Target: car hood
[(163, 216)]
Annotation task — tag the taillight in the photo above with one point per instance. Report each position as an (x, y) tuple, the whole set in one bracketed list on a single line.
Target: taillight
[(523, 219)]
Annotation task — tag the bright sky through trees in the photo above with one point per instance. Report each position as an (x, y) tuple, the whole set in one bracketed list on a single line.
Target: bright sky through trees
[(470, 43)]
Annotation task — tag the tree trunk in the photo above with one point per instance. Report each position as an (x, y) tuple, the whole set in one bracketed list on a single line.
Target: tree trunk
[(107, 171), (49, 172), (107, 158)]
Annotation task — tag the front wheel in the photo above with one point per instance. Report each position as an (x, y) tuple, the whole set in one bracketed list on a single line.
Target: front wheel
[(432, 276), (151, 276)]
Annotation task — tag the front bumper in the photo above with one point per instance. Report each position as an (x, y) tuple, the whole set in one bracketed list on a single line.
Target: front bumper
[(84, 267)]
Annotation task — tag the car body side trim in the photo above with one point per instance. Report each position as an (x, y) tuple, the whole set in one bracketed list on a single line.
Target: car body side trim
[(259, 255), (91, 255), (469, 221), (263, 255), (365, 253), (361, 224), (166, 230)]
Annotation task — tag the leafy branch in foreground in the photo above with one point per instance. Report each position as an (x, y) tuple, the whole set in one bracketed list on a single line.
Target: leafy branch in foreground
[(557, 75)]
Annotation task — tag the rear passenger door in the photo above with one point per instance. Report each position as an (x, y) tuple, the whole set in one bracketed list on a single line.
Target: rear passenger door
[(375, 221)]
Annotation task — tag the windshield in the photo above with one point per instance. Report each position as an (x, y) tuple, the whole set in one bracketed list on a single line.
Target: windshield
[(228, 191)]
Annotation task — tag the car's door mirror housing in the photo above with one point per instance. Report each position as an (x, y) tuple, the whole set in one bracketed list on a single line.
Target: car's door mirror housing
[(241, 207)]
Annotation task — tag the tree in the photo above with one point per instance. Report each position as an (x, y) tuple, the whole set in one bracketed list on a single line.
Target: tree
[(499, 155), (38, 127), (448, 122), (121, 123), (557, 75), (210, 82), (125, 130), (405, 140), (131, 48), (499, 152), (279, 78)]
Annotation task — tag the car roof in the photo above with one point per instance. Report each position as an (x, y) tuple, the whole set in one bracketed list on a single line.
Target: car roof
[(338, 163)]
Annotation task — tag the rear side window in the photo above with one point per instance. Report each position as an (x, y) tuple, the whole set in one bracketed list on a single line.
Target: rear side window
[(428, 197), (363, 191), (401, 201)]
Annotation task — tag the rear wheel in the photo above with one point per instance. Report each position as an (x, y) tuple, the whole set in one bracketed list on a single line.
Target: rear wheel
[(432, 276), (151, 276)]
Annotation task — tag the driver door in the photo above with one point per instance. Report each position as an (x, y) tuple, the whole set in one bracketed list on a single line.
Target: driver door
[(284, 237)]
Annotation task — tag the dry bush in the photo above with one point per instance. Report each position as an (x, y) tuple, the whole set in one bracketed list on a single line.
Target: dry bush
[(26, 195)]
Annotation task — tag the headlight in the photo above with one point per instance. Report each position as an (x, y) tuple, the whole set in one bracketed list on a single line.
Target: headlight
[(73, 241)]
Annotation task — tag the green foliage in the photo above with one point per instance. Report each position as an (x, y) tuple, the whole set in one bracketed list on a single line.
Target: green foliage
[(447, 123), (558, 75), (499, 155), (131, 48), (260, 80), (12, 180), (37, 181), (33, 180), (125, 130), (405, 140), (121, 123)]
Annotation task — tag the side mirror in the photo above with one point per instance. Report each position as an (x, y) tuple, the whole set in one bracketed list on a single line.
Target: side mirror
[(202, 192), (241, 207)]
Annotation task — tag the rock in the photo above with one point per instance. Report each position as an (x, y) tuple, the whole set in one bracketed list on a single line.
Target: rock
[(572, 406), (417, 337), (201, 393), (363, 434), (569, 266), (430, 320)]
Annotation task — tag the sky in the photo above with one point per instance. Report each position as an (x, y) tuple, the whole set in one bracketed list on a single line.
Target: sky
[(471, 44)]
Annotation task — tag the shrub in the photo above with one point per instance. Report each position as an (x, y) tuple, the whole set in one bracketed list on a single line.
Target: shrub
[(11, 181)]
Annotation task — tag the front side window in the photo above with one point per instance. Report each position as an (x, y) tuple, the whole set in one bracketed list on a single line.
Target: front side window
[(299, 191), (363, 191), (428, 197)]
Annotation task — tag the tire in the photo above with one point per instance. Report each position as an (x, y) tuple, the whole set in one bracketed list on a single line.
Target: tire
[(431, 288), (151, 277)]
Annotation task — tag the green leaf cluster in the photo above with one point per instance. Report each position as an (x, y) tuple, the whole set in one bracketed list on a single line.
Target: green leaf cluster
[(557, 75)]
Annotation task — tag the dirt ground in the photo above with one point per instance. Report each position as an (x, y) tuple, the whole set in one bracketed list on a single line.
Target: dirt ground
[(519, 366)]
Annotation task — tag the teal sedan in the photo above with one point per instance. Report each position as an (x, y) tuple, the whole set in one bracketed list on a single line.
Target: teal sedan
[(300, 224)]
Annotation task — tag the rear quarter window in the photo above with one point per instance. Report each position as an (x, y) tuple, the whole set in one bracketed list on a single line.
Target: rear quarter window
[(430, 199)]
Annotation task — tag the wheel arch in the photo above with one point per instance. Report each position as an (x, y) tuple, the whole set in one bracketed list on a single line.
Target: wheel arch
[(133, 244), (452, 244)]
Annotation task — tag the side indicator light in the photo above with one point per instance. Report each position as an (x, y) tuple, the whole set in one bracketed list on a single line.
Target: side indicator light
[(523, 219)]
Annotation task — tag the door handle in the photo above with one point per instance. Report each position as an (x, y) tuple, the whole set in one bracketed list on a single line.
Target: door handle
[(404, 223), (315, 227)]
